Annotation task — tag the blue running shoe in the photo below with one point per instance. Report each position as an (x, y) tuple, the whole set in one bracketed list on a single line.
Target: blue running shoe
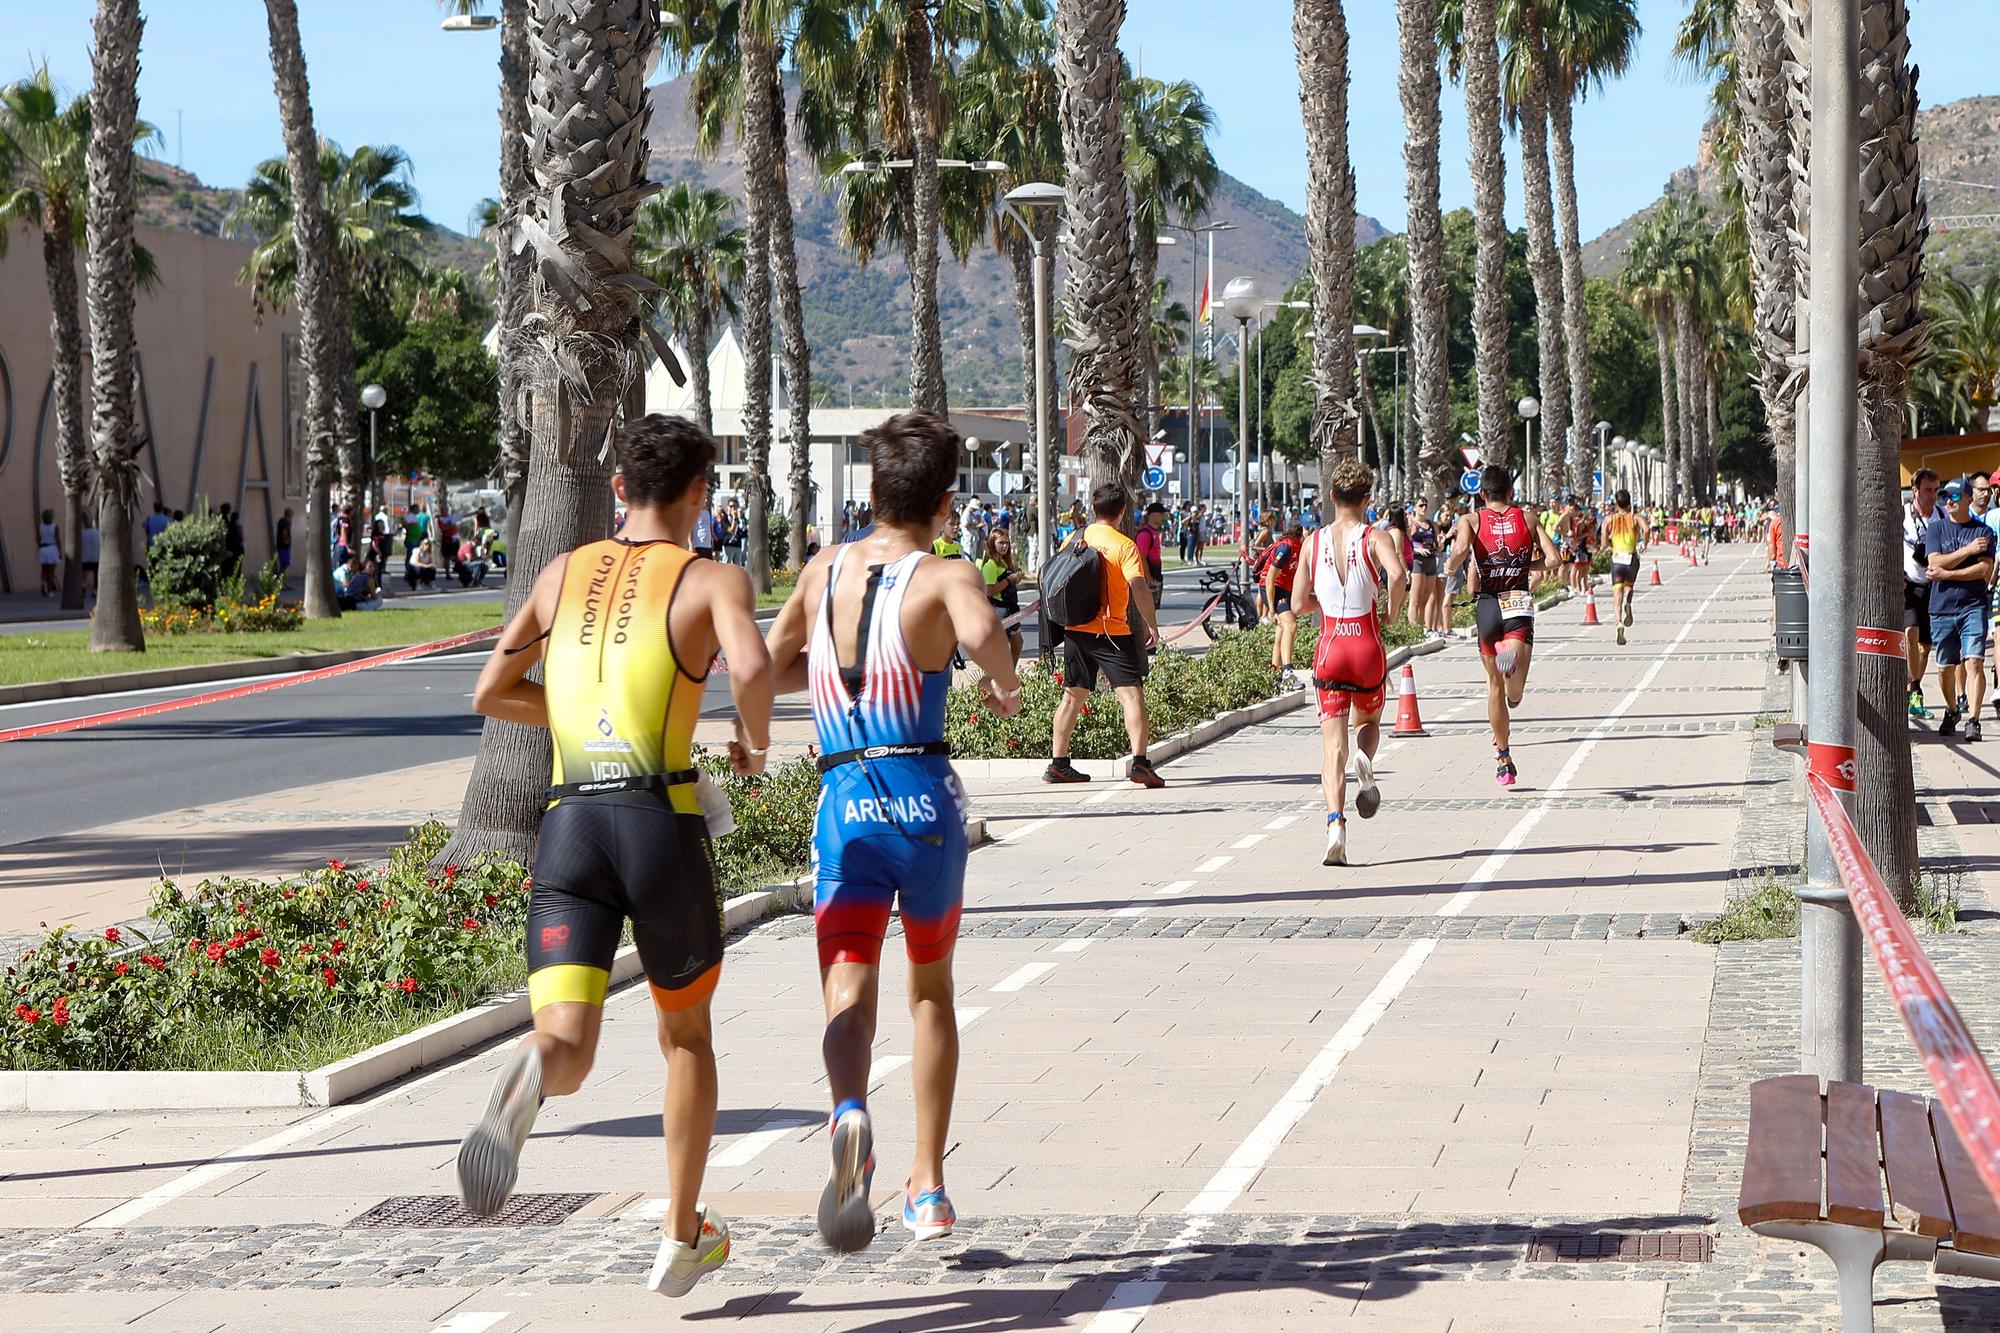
[(930, 1214), (846, 1221)]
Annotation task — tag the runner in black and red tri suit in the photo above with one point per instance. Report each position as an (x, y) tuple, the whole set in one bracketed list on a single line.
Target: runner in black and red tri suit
[(1505, 544)]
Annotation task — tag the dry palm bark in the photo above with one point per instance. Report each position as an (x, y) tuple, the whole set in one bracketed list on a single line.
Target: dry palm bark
[(1894, 336), (1795, 18), (927, 387), (1102, 306), (1489, 207), (582, 360), (760, 152), (513, 270), (1545, 269), (1319, 29), (1430, 369), (1763, 169), (312, 239), (114, 113), (66, 383), (792, 328), (1576, 313)]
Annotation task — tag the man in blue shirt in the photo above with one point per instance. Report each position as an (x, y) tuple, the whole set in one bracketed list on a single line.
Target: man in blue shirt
[(1959, 549)]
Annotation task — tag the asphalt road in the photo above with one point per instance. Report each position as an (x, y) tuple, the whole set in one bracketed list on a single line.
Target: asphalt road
[(369, 722)]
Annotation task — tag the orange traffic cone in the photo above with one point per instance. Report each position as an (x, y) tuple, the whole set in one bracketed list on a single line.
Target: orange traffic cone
[(1408, 721), (1694, 557), (1656, 574), (1590, 606)]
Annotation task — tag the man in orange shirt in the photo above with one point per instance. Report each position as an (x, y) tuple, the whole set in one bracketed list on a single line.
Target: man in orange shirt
[(1109, 644)]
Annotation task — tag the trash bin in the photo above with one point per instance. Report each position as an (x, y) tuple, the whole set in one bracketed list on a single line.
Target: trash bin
[(1788, 592)]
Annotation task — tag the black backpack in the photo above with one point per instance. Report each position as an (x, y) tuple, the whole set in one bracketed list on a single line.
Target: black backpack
[(1073, 584)]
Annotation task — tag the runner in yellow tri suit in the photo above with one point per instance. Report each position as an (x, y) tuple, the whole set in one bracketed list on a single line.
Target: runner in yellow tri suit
[(626, 622), (1625, 532)]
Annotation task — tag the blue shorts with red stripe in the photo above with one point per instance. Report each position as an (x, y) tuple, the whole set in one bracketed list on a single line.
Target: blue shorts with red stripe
[(889, 835)]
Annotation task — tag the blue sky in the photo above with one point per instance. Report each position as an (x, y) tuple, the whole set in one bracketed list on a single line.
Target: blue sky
[(382, 72)]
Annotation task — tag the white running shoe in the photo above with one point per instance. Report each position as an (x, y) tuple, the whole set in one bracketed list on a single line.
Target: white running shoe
[(489, 1159), (846, 1219), (679, 1265), (1368, 799), (1336, 843), (1505, 655)]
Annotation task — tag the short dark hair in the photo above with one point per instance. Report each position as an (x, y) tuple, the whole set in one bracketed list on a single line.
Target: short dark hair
[(661, 457), (1108, 499), (915, 459), (1924, 474), (1623, 498), (1496, 482)]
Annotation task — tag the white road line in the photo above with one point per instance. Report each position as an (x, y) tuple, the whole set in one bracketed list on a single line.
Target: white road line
[(889, 1064), (1174, 889), (471, 1321), (1247, 840), (1032, 826), (1129, 911), (743, 1151), (90, 701), (1213, 864), (1282, 821), (1130, 1301), (1076, 946), (1021, 976)]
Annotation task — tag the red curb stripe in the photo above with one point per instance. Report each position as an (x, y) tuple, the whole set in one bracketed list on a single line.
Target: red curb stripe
[(243, 691)]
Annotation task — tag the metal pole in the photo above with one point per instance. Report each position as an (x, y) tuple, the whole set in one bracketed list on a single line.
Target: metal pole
[(1194, 302), (1243, 430), (1043, 426), (1263, 462), (1830, 939)]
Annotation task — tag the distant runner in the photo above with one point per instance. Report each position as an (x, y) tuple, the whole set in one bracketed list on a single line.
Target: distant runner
[(1625, 532), (623, 838), (1505, 543), (1343, 570), (1280, 564)]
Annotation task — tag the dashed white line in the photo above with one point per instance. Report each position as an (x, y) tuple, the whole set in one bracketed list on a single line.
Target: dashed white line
[(1032, 826), (889, 1064), (1282, 821), (1022, 976), (743, 1151), (1174, 889), (1075, 946), (1213, 864), (1247, 840), (471, 1321)]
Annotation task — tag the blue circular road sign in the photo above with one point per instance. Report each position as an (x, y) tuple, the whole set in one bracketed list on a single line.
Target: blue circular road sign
[(1155, 478), (1468, 481)]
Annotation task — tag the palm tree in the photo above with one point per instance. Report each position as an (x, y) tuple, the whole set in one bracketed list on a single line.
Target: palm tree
[(373, 226), (686, 245), (1965, 352), (1103, 303), (1430, 368), (1478, 64), (1894, 335), (1651, 273), (1588, 42), (111, 280), (1173, 171), (1319, 30), (312, 287), (588, 99), (1688, 233)]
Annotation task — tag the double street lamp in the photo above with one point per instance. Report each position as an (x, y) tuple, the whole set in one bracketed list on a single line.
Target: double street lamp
[(1529, 408), (1243, 298), (1018, 203)]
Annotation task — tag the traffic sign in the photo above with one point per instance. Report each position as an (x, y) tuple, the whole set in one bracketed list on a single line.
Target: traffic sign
[(1229, 481), (1155, 478), (1468, 482), (1002, 484)]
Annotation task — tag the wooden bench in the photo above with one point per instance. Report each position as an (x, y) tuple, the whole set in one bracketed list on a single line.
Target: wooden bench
[(1820, 1163)]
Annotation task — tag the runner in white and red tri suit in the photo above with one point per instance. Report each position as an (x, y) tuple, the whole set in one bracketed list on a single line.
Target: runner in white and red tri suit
[(1342, 572), (1505, 543)]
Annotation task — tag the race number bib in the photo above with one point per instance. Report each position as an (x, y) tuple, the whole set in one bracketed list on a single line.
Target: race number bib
[(1517, 606), (1624, 559)]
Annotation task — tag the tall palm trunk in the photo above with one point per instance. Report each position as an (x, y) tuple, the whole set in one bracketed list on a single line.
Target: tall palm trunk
[(1319, 30), (1576, 315), (1545, 267), (347, 401), (1712, 469), (66, 338), (792, 325), (1021, 260), (1762, 168), (1430, 369), (114, 111), (515, 268), (697, 336), (927, 386), (1103, 311), (584, 360), (1489, 210), (1684, 363), (1895, 336), (760, 76), (1663, 348), (312, 238), (1795, 16), (1146, 281)]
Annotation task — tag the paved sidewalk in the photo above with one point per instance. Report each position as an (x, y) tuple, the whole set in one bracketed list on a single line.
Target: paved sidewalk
[(1207, 1083)]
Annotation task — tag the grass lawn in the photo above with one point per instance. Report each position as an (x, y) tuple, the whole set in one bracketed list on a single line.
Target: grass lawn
[(65, 654), (781, 588)]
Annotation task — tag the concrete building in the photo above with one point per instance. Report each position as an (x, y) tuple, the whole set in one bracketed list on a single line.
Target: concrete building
[(218, 398)]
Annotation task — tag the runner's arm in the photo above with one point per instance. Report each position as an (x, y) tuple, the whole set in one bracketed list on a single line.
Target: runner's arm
[(786, 642), (1396, 580), (1461, 546), (1303, 601), (1543, 541), (980, 635), (504, 690), (733, 607)]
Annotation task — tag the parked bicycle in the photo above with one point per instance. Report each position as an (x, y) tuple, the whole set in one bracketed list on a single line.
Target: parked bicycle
[(1235, 610)]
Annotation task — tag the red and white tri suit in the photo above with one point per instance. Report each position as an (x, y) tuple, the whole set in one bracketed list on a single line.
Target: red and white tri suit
[(1350, 667)]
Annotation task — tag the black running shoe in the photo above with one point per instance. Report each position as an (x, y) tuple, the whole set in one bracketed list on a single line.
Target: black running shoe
[(1961, 704), (1972, 732), (1948, 724), (1061, 770), (1143, 773)]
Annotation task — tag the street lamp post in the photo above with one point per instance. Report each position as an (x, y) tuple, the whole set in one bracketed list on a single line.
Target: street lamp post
[(1242, 298), (374, 399), (1194, 234), (1529, 408), (1603, 487), (1031, 196)]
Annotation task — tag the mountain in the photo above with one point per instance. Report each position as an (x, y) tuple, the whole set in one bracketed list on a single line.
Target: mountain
[(858, 318), (1960, 146)]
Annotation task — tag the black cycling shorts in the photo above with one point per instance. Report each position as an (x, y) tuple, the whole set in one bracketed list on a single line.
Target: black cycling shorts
[(1917, 610), (1495, 629), (1625, 573), (1117, 657), (604, 860)]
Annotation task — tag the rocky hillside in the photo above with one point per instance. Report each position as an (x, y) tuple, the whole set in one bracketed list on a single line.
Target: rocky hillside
[(1960, 142)]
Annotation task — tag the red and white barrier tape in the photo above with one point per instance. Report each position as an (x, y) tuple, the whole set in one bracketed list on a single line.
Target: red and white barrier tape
[(1959, 1072), (244, 691), (1194, 624)]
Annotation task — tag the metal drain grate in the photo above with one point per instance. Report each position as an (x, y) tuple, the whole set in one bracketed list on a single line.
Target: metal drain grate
[(444, 1210), (1626, 1247)]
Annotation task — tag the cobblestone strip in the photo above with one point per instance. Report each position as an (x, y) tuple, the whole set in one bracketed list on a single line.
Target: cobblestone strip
[(1329, 1249), (1606, 926)]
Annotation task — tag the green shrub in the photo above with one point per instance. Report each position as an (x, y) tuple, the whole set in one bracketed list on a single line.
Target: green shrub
[(187, 563), (774, 822)]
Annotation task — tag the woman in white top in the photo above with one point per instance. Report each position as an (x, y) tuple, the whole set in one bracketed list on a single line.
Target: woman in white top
[(48, 551)]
